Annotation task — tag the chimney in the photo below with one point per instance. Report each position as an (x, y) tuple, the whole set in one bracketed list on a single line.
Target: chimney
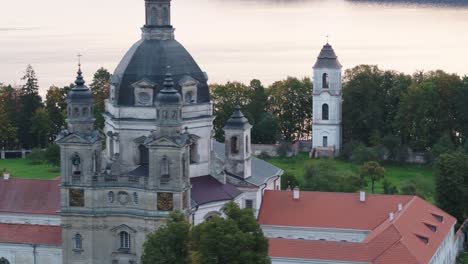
[(400, 207), (362, 196), (391, 216), (296, 193)]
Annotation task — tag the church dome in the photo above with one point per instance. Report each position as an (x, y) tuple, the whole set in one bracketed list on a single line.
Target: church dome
[(327, 58), (80, 94), (148, 59)]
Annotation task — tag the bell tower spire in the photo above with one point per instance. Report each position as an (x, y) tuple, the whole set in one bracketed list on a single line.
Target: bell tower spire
[(158, 20)]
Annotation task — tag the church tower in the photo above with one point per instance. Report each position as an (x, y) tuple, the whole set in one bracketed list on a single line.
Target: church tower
[(237, 145), (326, 122)]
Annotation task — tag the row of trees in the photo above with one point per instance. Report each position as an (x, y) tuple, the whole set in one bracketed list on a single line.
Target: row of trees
[(237, 238), (27, 121), (388, 111), (398, 111), (281, 112)]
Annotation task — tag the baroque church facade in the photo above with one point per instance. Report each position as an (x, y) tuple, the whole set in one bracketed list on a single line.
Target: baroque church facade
[(326, 101), (159, 154)]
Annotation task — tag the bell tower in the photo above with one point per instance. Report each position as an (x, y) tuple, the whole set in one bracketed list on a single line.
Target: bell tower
[(237, 145), (326, 96)]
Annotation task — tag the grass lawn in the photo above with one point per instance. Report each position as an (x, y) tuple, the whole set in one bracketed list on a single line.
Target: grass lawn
[(395, 174), (22, 168)]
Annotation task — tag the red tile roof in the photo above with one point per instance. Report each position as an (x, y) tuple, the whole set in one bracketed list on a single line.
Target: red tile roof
[(389, 241), (30, 196), (327, 210), (31, 234)]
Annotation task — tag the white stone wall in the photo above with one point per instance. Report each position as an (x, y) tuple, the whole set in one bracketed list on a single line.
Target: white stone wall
[(134, 122), (25, 254), (330, 128), (447, 251), (10, 218), (306, 233)]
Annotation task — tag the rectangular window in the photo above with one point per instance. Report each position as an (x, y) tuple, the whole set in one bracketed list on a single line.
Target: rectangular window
[(325, 141), (249, 204)]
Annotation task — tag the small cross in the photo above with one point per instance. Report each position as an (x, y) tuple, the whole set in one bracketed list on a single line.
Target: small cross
[(328, 36), (79, 58)]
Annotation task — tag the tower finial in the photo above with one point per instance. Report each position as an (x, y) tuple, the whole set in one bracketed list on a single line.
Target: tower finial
[(79, 78), (328, 38)]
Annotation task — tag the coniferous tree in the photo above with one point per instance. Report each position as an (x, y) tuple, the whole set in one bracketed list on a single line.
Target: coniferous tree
[(100, 88), (30, 101)]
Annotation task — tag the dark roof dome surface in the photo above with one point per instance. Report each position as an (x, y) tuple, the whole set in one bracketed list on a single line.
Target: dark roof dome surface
[(327, 58), (237, 120), (80, 93), (148, 59)]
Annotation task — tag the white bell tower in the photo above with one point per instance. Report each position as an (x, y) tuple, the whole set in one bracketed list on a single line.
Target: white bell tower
[(326, 97)]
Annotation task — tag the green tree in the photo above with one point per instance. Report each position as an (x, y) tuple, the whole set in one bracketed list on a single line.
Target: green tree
[(418, 186), (8, 132), (371, 99), (443, 145), (288, 180), (235, 240), (451, 175), (266, 129), (373, 171), (290, 102), (100, 88), (52, 155), (224, 98), (388, 187), (170, 243), (428, 110), (56, 107), (30, 101), (41, 127)]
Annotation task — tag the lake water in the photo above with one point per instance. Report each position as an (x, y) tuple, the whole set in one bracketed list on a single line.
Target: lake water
[(235, 39)]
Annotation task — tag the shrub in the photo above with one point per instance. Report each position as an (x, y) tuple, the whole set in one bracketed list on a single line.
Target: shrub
[(388, 187), (417, 186), (52, 155), (288, 180), (37, 156), (363, 154), (348, 149)]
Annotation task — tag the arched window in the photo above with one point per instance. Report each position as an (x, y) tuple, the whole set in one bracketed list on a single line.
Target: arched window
[(111, 197), (144, 155), (124, 240), (78, 241), (234, 145), (76, 165), (95, 162), (325, 81), (324, 112), (4, 261), (193, 154), (85, 111), (135, 198), (76, 112), (164, 170)]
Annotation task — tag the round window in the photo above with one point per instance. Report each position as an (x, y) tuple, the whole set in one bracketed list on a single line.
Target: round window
[(144, 98)]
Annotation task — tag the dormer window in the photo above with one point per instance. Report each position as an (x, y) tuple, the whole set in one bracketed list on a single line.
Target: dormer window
[(438, 217), (143, 92), (433, 228), (189, 88), (424, 239), (325, 84)]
